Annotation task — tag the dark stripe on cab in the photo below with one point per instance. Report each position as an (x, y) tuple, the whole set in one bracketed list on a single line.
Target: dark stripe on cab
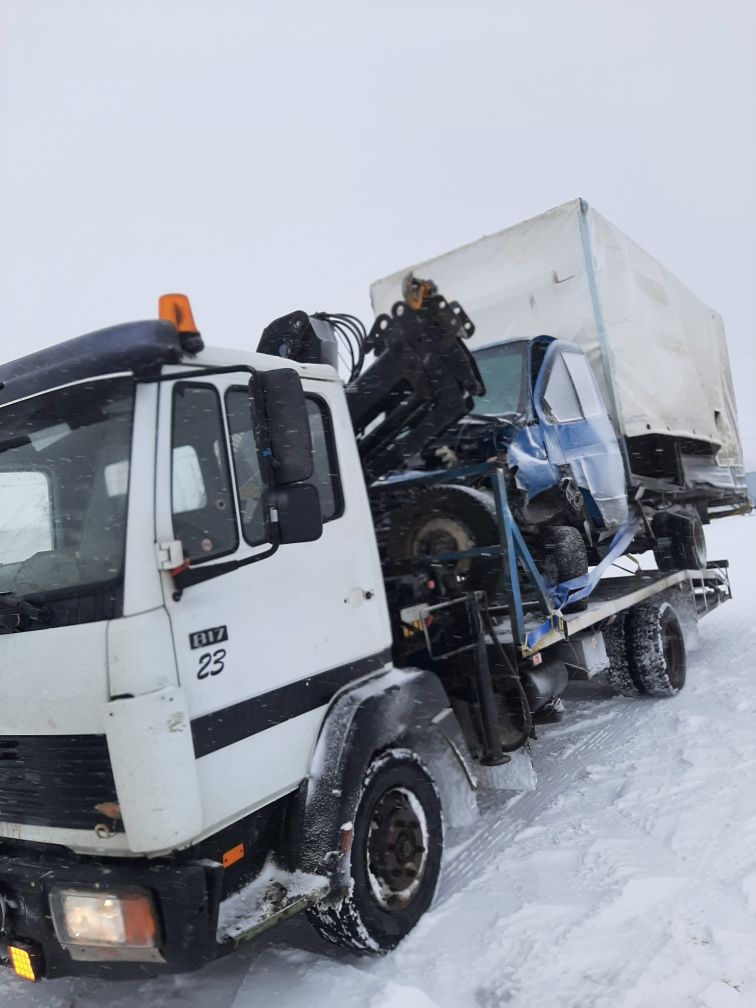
[(224, 727)]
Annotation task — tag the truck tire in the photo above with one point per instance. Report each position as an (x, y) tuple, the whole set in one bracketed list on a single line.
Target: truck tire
[(565, 557), (681, 541), (656, 649), (449, 519), (395, 858), (619, 675)]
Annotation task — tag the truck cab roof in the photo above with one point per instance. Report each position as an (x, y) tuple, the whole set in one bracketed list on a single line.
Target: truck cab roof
[(141, 348)]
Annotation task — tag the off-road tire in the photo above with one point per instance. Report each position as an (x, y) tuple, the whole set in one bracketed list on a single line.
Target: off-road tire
[(656, 649), (685, 542), (449, 519), (564, 554), (618, 675), (363, 921), (565, 557)]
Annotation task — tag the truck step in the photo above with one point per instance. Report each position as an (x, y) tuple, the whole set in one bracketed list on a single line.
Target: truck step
[(272, 897)]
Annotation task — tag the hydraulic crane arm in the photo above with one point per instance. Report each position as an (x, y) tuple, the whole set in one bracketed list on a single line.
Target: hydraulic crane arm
[(422, 380)]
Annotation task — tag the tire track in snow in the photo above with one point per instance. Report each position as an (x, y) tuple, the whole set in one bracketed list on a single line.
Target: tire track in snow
[(560, 759)]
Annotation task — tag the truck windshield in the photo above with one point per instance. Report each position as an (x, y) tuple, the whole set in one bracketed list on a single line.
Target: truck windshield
[(64, 476), (503, 370)]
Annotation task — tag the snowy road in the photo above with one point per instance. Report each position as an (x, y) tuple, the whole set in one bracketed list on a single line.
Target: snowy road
[(628, 878)]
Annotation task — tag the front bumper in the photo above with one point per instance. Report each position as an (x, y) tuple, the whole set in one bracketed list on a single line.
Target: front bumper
[(187, 897)]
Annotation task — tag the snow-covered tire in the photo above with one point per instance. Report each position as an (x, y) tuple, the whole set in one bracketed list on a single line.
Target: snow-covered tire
[(565, 557), (656, 649), (618, 675), (398, 839), (449, 519)]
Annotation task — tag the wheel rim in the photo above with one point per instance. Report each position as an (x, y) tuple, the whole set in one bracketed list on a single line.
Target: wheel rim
[(440, 535), (396, 848), (674, 655)]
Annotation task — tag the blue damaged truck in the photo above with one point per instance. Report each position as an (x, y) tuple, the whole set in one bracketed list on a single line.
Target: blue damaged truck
[(626, 407)]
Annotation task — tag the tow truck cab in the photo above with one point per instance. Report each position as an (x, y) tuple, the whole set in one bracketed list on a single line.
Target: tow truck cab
[(174, 525)]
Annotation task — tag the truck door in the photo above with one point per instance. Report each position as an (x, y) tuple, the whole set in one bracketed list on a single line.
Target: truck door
[(262, 648), (578, 432)]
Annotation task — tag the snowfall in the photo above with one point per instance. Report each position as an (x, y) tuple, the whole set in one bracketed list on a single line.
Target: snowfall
[(626, 878)]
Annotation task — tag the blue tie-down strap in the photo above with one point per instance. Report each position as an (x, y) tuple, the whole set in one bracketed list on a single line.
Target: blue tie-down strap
[(581, 587)]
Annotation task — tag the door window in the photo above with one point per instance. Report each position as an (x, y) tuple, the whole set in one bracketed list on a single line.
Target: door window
[(560, 394), (325, 471), (203, 511), (585, 385), (249, 481)]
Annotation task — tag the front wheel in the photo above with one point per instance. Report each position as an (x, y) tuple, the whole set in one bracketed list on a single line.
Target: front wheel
[(564, 554), (565, 557), (395, 858)]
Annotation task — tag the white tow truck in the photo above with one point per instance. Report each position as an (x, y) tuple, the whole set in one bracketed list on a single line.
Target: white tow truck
[(218, 686)]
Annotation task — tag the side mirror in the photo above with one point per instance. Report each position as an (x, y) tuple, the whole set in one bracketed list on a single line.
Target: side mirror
[(299, 515), (288, 426)]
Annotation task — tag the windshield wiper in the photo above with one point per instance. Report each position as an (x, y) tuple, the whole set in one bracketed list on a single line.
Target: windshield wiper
[(16, 614), (509, 416), (16, 442)]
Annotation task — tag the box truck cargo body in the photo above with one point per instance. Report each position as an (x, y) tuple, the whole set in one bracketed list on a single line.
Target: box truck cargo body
[(658, 352)]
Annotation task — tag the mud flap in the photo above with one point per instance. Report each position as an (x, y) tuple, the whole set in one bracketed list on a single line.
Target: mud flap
[(517, 775)]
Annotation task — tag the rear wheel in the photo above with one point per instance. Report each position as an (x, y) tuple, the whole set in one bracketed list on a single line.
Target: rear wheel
[(619, 675), (681, 541), (656, 650), (395, 858)]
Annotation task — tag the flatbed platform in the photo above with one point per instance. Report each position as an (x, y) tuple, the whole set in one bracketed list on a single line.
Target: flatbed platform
[(706, 590)]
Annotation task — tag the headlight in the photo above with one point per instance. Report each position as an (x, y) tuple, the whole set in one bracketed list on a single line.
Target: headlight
[(123, 919)]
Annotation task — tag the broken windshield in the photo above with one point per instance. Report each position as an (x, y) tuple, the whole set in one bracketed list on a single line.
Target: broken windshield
[(64, 468), (503, 369)]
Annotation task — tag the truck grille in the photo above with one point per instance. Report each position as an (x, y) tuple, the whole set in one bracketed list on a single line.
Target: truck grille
[(55, 780)]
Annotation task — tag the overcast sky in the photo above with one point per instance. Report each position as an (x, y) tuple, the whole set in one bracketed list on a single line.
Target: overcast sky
[(269, 156)]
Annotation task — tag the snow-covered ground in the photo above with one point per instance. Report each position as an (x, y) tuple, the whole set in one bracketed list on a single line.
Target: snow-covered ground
[(628, 878)]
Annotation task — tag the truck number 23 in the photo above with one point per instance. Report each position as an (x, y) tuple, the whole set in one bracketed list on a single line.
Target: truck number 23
[(211, 663)]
